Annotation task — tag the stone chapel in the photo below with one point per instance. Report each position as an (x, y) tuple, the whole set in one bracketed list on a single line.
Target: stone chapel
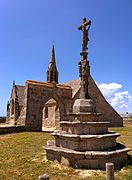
[(38, 105)]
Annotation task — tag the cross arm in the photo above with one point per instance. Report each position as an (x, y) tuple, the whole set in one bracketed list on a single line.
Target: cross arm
[(79, 28), (87, 23), (84, 25)]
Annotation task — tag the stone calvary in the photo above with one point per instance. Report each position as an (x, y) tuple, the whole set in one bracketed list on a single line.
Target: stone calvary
[(83, 139)]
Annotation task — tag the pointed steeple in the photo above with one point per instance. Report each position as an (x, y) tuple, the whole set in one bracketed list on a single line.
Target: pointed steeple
[(52, 73), (52, 58)]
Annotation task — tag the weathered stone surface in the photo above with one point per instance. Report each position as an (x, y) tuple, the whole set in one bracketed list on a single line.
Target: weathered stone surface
[(84, 127), (65, 161), (50, 143), (85, 117), (85, 142), (83, 105), (88, 159), (87, 163), (11, 129), (83, 65)]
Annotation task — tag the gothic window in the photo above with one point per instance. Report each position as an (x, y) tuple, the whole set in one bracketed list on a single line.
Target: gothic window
[(46, 112)]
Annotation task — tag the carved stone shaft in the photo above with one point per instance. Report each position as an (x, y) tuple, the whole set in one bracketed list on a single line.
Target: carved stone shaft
[(84, 68)]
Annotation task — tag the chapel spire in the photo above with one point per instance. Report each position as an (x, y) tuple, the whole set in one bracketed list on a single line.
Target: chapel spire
[(52, 58), (52, 73)]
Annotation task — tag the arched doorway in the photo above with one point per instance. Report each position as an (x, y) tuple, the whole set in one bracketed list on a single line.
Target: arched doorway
[(51, 114)]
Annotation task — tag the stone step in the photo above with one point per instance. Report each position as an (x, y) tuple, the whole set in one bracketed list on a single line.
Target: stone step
[(86, 136), (84, 113), (76, 127), (88, 159), (98, 123), (87, 116), (85, 142)]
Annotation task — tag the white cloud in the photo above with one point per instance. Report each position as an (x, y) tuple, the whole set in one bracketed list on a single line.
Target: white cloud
[(109, 89), (120, 100), (123, 106)]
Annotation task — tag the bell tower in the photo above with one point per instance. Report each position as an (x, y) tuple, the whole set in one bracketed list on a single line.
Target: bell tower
[(52, 73)]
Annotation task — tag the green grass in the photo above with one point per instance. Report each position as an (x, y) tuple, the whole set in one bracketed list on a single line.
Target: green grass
[(126, 139), (22, 158)]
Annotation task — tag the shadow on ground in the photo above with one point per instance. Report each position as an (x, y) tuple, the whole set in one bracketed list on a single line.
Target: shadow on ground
[(129, 158)]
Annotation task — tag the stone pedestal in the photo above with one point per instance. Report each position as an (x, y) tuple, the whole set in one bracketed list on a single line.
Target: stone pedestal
[(83, 105), (84, 140)]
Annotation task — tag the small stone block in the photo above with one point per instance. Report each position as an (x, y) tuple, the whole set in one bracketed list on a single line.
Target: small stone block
[(44, 177)]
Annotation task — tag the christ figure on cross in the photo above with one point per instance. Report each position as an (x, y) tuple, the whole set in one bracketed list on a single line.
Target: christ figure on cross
[(85, 38)]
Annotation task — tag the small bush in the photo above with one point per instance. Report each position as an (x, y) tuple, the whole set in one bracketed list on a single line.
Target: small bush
[(2, 119)]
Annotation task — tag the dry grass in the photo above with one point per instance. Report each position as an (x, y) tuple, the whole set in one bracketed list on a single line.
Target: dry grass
[(22, 158)]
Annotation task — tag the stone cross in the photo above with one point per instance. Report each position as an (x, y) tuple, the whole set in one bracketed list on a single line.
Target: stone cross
[(85, 38), (83, 65)]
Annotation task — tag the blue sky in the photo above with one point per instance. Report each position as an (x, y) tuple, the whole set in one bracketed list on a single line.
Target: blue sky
[(28, 28)]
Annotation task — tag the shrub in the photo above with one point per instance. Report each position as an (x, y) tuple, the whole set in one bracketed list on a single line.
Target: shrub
[(2, 119)]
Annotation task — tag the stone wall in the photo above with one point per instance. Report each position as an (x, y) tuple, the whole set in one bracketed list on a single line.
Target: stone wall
[(22, 118), (16, 104), (38, 94), (11, 112), (11, 129)]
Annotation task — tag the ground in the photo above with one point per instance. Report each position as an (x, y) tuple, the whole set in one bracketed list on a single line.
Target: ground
[(22, 157)]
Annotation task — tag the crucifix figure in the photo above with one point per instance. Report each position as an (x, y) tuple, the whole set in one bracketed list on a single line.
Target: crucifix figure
[(84, 68), (85, 38)]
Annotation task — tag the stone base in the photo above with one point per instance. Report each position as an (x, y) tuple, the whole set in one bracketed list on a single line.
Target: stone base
[(83, 105), (85, 142), (88, 159), (84, 127), (85, 117)]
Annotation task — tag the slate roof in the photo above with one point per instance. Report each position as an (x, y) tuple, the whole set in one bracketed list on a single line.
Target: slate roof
[(75, 85)]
